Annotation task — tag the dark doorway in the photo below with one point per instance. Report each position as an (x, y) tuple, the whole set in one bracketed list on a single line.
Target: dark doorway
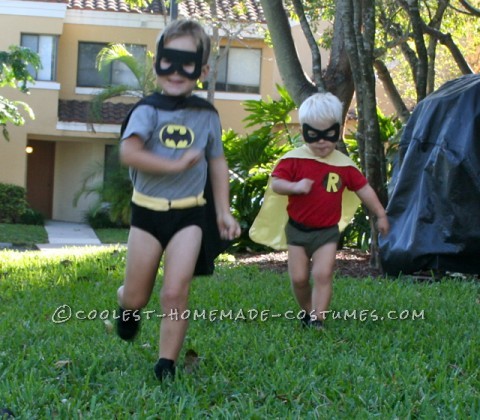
[(40, 171)]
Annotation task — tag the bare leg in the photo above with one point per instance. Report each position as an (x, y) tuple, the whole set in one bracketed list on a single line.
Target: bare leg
[(299, 271), (322, 273), (144, 253), (180, 258), (143, 258)]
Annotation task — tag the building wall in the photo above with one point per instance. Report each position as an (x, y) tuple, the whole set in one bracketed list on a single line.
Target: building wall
[(75, 161), (43, 102)]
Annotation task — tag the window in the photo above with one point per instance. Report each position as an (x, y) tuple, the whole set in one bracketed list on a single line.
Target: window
[(46, 47), (239, 70), (116, 74)]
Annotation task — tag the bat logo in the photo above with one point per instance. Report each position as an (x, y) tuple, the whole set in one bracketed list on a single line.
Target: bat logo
[(176, 136)]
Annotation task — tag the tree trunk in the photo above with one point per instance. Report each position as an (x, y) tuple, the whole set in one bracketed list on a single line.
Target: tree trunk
[(214, 57), (421, 70), (296, 83), (359, 27), (391, 90), (435, 23), (338, 74)]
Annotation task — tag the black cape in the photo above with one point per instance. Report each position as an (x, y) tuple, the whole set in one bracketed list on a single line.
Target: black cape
[(434, 206), (212, 244)]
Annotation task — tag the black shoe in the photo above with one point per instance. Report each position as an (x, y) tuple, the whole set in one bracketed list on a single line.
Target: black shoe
[(316, 324), (164, 369), (128, 324), (305, 320)]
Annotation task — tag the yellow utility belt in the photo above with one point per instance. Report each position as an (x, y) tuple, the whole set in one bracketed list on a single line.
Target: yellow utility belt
[(163, 204)]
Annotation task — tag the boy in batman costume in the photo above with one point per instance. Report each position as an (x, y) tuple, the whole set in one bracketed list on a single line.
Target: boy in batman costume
[(180, 203), (312, 195), (212, 243)]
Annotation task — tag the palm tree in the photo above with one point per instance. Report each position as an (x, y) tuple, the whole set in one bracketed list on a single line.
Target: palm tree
[(143, 83)]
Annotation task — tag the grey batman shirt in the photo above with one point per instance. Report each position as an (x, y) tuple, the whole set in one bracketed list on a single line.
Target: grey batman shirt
[(169, 134)]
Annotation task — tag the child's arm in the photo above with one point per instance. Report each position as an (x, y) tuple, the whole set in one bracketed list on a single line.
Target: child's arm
[(370, 199), (284, 187), (227, 225), (133, 154)]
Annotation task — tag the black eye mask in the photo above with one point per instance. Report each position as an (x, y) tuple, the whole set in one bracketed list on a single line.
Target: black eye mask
[(178, 59), (330, 134)]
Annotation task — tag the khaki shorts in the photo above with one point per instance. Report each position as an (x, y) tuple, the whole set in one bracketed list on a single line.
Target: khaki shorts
[(311, 238)]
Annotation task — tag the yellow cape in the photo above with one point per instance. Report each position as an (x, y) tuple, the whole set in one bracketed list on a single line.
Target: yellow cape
[(268, 227)]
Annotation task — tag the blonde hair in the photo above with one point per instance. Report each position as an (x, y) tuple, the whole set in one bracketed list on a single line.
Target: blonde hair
[(320, 110), (182, 27)]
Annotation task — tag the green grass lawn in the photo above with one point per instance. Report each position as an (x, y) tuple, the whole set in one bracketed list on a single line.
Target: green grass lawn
[(18, 234), (366, 364), (112, 236), (30, 235)]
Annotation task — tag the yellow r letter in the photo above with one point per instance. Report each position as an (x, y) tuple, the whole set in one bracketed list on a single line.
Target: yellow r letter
[(332, 183)]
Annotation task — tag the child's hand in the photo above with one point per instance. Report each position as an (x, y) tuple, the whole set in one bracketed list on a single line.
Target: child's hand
[(189, 158), (383, 225), (303, 186), (228, 227)]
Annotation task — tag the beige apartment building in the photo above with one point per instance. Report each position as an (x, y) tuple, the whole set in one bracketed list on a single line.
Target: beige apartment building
[(52, 154)]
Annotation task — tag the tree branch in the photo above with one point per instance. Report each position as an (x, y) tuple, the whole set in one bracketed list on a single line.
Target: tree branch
[(447, 40), (411, 7), (312, 43), (475, 11), (391, 90)]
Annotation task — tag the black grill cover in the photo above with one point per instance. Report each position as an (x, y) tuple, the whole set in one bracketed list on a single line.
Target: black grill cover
[(434, 205)]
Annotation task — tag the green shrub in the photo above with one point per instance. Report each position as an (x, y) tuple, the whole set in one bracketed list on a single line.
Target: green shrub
[(251, 159), (113, 191), (100, 218), (357, 234), (13, 203), (32, 217)]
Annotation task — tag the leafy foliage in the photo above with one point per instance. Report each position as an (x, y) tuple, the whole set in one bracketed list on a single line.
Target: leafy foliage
[(251, 158), (114, 193), (32, 217), (391, 129), (144, 84), (14, 70), (271, 114), (9, 113), (394, 42), (13, 203), (117, 192), (14, 67), (357, 234)]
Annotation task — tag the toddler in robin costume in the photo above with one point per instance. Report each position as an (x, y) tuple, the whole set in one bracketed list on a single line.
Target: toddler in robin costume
[(313, 193)]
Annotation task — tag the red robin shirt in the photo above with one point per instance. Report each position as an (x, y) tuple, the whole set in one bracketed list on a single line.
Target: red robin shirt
[(322, 206)]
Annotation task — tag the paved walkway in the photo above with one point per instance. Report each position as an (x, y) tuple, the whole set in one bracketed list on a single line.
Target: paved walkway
[(65, 234)]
